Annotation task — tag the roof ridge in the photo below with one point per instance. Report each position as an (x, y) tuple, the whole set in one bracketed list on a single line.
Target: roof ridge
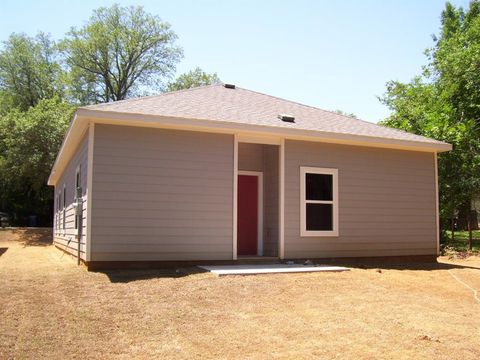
[(302, 104), (151, 96)]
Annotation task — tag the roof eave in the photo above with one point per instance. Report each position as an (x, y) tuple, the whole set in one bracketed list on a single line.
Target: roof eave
[(83, 116), (226, 126), (70, 143)]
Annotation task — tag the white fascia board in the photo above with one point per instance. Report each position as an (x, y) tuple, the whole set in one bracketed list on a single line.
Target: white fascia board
[(72, 139)]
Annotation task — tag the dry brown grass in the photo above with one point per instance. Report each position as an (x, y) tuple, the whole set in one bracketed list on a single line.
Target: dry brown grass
[(50, 308)]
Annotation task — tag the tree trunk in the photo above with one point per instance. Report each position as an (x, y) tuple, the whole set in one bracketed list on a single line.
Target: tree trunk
[(453, 229), (470, 237)]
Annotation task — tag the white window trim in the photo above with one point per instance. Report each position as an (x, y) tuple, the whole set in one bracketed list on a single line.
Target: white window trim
[(55, 222), (64, 209), (59, 212), (303, 202), (76, 217), (259, 175)]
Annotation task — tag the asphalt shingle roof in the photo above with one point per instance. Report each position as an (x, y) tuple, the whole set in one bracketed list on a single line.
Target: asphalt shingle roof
[(242, 106)]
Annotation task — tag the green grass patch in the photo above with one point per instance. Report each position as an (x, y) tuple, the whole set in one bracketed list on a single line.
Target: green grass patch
[(460, 241)]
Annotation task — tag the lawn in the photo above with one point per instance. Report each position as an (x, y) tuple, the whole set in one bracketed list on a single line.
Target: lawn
[(51, 308), (460, 241)]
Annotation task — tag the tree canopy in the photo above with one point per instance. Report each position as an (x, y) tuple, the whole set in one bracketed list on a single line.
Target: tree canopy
[(193, 78), (121, 52), (29, 142), (29, 71)]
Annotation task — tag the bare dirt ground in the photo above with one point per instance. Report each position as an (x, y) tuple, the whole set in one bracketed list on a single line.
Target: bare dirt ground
[(50, 308)]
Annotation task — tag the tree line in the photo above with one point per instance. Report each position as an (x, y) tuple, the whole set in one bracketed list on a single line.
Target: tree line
[(124, 52), (121, 52)]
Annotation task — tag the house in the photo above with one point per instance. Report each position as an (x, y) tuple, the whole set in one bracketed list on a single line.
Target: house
[(220, 173)]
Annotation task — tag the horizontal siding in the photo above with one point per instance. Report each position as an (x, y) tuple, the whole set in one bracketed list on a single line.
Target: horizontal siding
[(351, 253), (159, 254), (250, 157), (161, 195), (386, 201), (66, 238), (202, 195)]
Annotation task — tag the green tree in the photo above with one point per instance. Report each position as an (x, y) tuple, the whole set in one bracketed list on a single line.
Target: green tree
[(29, 71), (444, 103), (455, 60), (29, 142), (193, 78), (121, 52)]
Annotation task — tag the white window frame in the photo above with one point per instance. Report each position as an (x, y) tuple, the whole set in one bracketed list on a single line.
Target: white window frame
[(77, 217), (64, 207), (59, 211), (304, 170), (55, 224)]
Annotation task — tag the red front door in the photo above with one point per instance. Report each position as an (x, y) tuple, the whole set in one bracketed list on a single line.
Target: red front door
[(247, 222)]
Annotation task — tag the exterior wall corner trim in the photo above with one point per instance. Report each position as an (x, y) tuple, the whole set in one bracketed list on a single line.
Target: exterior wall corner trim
[(88, 241)]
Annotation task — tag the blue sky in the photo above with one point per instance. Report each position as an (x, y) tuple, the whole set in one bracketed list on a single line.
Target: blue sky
[(329, 54)]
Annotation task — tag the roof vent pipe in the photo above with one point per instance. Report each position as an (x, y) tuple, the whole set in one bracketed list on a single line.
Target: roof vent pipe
[(229, 86), (287, 118)]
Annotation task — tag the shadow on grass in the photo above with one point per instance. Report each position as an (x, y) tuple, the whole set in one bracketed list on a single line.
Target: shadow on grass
[(427, 263), (405, 266), (3, 250), (126, 276)]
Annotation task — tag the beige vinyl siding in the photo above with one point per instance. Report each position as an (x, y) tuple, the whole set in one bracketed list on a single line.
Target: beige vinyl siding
[(250, 157), (161, 195), (66, 239), (386, 201)]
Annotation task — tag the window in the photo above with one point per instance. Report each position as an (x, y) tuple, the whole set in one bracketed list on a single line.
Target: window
[(78, 192), (56, 213), (318, 201), (59, 201), (64, 206)]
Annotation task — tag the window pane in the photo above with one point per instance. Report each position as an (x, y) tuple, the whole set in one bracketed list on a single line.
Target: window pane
[(319, 187), (319, 217)]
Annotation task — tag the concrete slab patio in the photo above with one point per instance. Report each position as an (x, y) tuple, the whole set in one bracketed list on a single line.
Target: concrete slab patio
[(269, 269)]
